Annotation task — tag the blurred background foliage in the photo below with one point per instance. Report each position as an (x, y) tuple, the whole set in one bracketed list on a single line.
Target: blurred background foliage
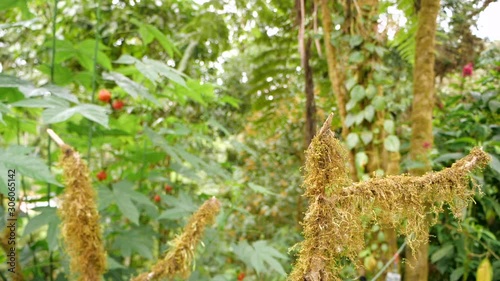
[(213, 105)]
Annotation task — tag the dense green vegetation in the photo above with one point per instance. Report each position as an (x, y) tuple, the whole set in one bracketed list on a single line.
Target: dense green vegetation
[(170, 103)]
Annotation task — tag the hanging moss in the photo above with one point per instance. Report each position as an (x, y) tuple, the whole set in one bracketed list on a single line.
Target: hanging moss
[(335, 222), (177, 261), (80, 229)]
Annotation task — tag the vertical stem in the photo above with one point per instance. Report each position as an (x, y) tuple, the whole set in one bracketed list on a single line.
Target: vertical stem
[(94, 75), (49, 144)]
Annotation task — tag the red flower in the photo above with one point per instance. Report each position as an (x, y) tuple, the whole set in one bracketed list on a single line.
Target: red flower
[(241, 276), (426, 145), (467, 70)]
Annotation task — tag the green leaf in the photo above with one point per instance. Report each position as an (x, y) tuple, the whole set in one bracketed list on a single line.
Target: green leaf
[(164, 41), (357, 93), (444, 251), (379, 103), (46, 102), (3, 109), (391, 143), (356, 57), (7, 81), (448, 156), (366, 137), (124, 202), (130, 87), (350, 105), (350, 119), (494, 163), (47, 216), (92, 112), (259, 256), (147, 37), (361, 159), (25, 163), (371, 91), (389, 126), (494, 105), (166, 71), (352, 140), (456, 274), (180, 207), (260, 189), (369, 112), (137, 240), (126, 59), (355, 41)]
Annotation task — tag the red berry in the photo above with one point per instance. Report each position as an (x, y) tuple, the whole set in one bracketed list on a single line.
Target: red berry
[(241, 276), (118, 104), (102, 175), (168, 188), (104, 95), (157, 198)]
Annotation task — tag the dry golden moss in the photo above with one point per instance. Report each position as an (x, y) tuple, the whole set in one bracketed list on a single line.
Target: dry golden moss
[(335, 222), (81, 231), (178, 259)]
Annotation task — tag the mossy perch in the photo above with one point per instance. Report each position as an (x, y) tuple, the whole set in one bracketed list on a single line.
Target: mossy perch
[(80, 226), (333, 224), (178, 259)]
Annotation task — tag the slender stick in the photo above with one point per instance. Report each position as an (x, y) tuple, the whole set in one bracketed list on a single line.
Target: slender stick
[(55, 137)]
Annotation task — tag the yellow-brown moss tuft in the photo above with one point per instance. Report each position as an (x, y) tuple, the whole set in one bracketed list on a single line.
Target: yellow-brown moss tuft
[(81, 231), (338, 213), (178, 259)]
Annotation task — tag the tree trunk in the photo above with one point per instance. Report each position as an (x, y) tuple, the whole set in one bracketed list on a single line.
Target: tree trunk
[(309, 89), (417, 268), (336, 77)]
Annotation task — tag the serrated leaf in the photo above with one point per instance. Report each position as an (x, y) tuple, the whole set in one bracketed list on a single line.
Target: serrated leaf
[(130, 87), (7, 81), (90, 111), (391, 143), (125, 204), (25, 163), (46, 102), (444, 251), (138, 240), (259, 256), (166, 71), (126, 59), (180, 207), (352, 140)]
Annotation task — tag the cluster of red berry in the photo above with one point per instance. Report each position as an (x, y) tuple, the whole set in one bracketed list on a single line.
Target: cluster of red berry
[(105, 96)]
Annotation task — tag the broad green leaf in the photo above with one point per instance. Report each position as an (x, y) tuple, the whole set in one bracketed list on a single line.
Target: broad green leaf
[(369, 112), (45, 102), (260, 189), (391, 143), (132, 88), (25, 163), (371, 91), (361, 159), (389, 126), (366, 137), (494, 105), (7, 81), (3, 109), (53, 234), (352, 140), (164, 41), (445, 250), (165, 70), (356, 57), (259, 256), (350, 104), (180, 207), (360, 117), (147, 37), (47, 216), (125, 204), (494, 163), (350, 119), (379, 103), (357, 93), (137, 240), (448, 156), (355, 41), (126, 59), (92, 112), (456, 274), (105, 197)]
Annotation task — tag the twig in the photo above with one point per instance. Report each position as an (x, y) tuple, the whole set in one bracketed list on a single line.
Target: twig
[(55, 137)]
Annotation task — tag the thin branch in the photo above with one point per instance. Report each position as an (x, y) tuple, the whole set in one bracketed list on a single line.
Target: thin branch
[(55, 137)]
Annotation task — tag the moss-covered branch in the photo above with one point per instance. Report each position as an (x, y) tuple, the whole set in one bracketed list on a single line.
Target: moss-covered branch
[(178, 259)]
